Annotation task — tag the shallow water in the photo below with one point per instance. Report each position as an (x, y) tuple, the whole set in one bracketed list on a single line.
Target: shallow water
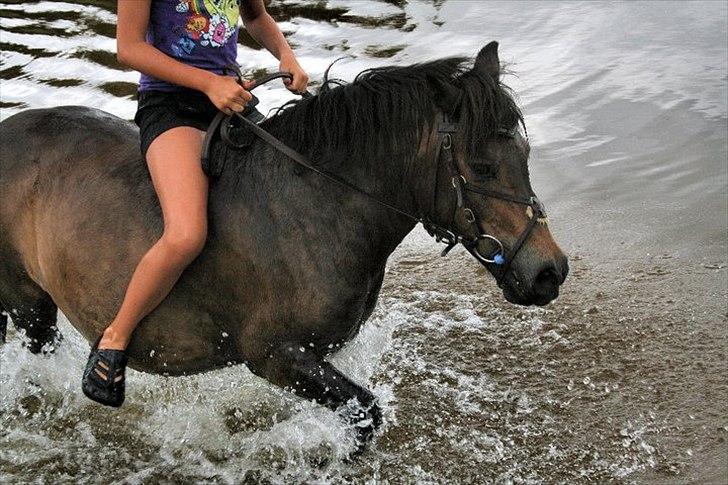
[(620, 380)]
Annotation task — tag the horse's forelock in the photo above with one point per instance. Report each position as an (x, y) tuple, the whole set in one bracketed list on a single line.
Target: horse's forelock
[(488, 107)]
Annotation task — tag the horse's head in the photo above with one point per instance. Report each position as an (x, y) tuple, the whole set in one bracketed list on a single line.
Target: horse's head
[(483, 193)]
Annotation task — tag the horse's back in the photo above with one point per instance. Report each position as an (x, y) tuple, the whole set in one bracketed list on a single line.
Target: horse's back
[(59, 119), (63, 134)]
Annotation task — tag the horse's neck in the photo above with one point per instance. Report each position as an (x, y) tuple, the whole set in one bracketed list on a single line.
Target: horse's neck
[(271, 176), (384, 181)]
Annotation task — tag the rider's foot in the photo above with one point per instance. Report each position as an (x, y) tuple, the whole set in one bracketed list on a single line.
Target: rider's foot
[(104, 376)]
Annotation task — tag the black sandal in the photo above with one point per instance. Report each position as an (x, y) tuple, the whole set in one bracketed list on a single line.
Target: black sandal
[(104, 376)]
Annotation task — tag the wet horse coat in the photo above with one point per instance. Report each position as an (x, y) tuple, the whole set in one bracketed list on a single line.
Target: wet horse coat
[(293, 264)]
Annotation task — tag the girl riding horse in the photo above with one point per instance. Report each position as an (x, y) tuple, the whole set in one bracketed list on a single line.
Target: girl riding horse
[(181, 48)]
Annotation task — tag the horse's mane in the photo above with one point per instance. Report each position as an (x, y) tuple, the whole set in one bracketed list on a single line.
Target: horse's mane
[(382, 112)]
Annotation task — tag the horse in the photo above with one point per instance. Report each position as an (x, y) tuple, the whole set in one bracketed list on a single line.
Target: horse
[(293, 263)]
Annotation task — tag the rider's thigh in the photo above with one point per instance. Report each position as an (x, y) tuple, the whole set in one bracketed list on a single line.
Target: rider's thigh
[(174, 164)]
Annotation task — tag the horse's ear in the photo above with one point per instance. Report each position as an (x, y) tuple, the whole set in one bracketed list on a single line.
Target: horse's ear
[(487, 60)]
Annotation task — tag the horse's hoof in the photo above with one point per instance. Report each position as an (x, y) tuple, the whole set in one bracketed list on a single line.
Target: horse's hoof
[(365, 421), (44, 346)]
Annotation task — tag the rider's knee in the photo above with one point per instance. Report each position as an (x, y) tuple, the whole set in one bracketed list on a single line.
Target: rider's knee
[(185, 244)]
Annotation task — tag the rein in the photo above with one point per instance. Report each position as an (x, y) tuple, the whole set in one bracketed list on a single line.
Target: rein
[(448, 236)]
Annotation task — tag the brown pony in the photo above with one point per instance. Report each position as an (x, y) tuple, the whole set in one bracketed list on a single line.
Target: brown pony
[(294, 263)]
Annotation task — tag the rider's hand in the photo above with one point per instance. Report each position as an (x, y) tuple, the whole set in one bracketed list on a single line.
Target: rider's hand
[(300, 79), (226, 94)]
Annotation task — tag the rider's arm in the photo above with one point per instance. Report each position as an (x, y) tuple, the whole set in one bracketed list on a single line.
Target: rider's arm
[(133, 51), (261, 26)]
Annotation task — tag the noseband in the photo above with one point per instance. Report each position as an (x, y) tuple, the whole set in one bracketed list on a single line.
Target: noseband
[(450, 236)]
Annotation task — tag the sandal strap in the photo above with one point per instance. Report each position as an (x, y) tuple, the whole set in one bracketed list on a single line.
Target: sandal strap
[(115, 360)]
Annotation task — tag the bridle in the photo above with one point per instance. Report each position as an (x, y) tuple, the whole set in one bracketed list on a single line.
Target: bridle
[(449, 236)]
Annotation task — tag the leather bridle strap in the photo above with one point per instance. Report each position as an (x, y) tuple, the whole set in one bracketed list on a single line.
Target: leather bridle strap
[(499, 195), (519, 243), (537, 213), (461, 186)]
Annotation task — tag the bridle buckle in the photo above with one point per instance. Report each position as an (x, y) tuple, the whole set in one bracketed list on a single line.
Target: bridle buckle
[(447, 141)]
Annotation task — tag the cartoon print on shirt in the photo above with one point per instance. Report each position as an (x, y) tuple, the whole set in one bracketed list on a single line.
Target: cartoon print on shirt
[(210, 22), (184, 46), (183, 6), (223, 20), (196, 25), (218, 32)]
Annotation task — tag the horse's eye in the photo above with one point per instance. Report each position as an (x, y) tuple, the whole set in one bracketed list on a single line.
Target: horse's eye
[(486, 170)]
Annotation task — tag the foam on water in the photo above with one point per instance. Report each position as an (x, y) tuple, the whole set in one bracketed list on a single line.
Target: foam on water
[(220, 425)]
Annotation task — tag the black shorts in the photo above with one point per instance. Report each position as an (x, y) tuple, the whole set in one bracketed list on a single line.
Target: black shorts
[(159, 111)]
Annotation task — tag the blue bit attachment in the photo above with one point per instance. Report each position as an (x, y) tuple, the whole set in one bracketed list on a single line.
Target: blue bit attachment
[(499, 259)]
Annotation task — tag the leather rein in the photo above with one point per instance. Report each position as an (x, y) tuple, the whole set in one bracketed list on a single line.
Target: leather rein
[(449, 236)]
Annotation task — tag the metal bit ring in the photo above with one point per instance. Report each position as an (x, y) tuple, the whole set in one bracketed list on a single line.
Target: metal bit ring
[(482, 258)]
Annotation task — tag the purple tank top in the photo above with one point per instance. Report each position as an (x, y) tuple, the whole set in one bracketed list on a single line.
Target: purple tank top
[(202, 33)]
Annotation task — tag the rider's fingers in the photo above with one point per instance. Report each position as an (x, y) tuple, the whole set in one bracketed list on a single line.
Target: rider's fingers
[(242, 97), (300, 82), (236, 106), (243, 94)]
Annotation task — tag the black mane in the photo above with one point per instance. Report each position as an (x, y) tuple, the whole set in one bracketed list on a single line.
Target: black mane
[(382, 112)]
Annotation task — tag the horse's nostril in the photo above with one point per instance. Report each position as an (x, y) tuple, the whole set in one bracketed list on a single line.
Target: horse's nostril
[(547, 283)]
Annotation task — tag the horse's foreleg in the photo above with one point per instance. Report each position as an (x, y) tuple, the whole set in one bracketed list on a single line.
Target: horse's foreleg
[(310, 376), (3, 325)]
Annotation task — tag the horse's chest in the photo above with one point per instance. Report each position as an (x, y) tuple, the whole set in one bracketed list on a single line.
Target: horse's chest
[(331, 312), (346, 311)]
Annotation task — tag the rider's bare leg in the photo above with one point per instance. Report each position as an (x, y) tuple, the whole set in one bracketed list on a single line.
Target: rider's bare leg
[(181, 185)]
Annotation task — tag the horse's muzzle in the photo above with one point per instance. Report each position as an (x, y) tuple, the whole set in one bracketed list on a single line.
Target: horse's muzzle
[(539, 289)]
